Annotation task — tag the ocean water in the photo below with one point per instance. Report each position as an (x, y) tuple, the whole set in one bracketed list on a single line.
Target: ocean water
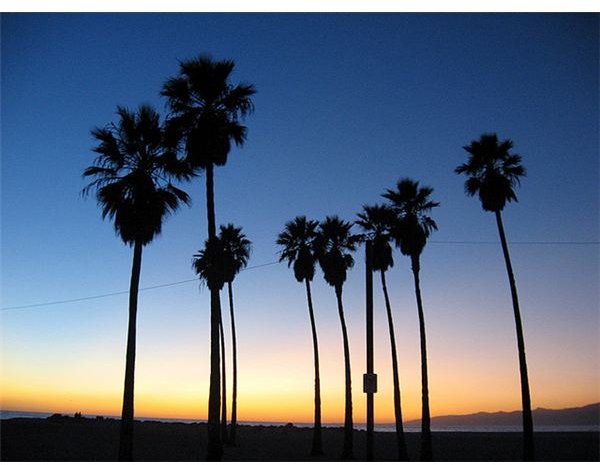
[(7, 414)]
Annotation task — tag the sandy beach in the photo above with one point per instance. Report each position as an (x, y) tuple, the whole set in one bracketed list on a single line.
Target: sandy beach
[(97, 440)]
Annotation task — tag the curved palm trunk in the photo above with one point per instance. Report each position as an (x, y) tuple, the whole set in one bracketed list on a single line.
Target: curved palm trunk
[(426, 453), (223, 385), (126, 437), (214, 447), (348, 426), (528, 447), (317, 442), (401, 442), (234, 351)]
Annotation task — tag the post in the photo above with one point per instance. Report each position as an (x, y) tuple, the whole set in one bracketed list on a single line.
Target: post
[(370, 378)]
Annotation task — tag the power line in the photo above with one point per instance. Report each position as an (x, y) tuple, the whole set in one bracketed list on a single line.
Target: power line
[(111, 294), (519, 242)]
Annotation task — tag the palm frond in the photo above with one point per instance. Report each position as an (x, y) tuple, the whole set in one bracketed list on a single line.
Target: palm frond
[(178, 94), (237, 132), (472, 185), (237, 100)]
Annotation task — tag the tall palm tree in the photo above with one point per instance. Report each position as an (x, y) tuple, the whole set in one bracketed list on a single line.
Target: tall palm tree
[(412, 203), (132, 181), (333, 245), (493, 173), (206, 111), (298, 248), (236, 249), (376, 221), (209, 264)]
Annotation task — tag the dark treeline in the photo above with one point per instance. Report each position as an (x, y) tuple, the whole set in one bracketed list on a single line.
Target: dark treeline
[(141, 159)]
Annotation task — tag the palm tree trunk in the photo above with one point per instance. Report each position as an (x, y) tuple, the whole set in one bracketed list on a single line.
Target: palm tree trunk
[(401, 442), (210, 201), (223, 385), (426, 452), (348, 426), (317, 443), (234, 351), (126, 438), (214, 447), (528, 447)]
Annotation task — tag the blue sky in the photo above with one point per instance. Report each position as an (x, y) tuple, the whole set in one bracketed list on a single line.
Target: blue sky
[(346, 105)]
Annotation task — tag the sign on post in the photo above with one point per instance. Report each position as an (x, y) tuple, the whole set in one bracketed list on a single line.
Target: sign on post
[(370, 383)]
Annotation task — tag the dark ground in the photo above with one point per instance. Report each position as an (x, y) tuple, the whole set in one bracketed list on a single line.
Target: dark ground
[(97, 440)]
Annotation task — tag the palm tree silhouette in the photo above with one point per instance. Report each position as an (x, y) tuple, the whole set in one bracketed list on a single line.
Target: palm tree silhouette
[(236, 250), (377, 221), (132, 180), (411, 203), (205, 110), (333, 244), (209, 264), (298, 248), (493, 173)]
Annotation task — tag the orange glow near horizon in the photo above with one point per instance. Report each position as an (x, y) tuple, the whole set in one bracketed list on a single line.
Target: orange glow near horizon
[(280, 408), (276, 377), (288, 396)]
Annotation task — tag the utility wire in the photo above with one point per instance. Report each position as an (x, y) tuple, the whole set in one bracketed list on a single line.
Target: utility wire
[(100, 296), (519, 242)]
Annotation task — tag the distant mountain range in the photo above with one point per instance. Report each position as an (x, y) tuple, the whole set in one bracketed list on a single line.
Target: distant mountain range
[(588, 415)]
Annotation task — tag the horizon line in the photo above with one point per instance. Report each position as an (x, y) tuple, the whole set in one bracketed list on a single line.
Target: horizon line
[(340, 422)]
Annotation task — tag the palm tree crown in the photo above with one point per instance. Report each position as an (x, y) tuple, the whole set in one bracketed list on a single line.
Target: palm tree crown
[(377, 221), (236, 250), (209, 263), (298, 247), (493, 172), (333, 245), (206, 109), (133, 172), (411, 203)]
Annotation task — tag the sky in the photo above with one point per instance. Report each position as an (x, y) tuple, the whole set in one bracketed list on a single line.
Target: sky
[(346, 105)]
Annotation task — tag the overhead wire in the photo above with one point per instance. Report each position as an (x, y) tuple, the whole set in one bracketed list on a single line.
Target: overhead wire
[(111, 294), (519, 242), (176, 283)]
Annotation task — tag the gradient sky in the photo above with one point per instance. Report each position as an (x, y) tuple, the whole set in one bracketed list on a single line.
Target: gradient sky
[(346, 105)]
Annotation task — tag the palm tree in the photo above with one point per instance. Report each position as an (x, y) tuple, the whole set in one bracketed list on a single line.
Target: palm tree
[(377, 221), (298, 248), (132, 180), (205, 110), (209, 264), (493, 173), (236, 249), (411, 203), (334, 243)]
